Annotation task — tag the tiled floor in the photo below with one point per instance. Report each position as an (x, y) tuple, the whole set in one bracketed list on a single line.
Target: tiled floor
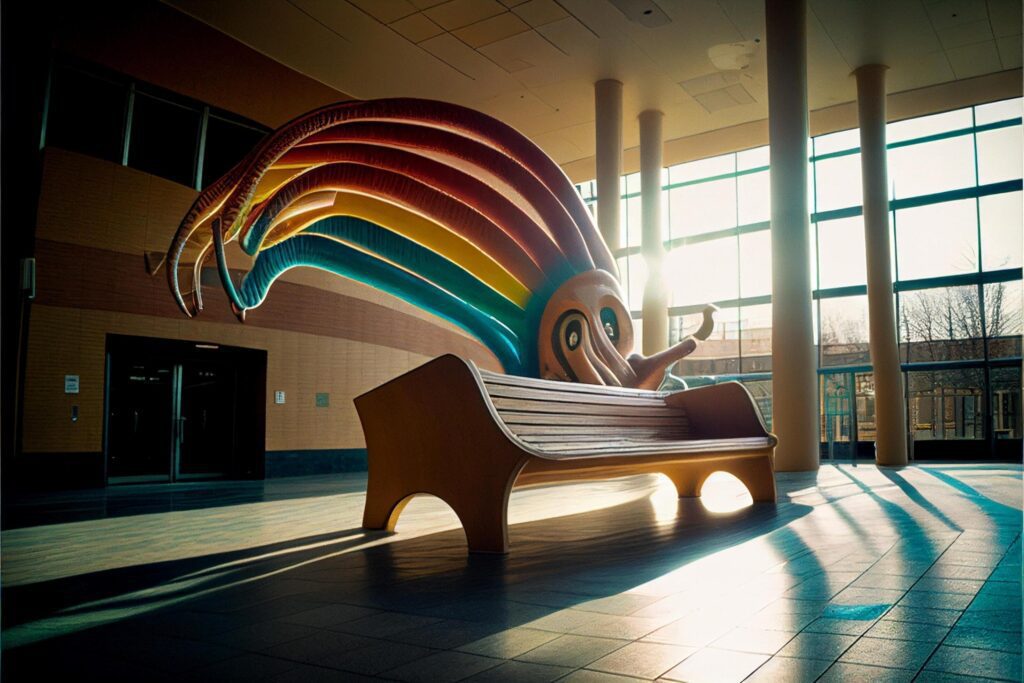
[(857, 574)]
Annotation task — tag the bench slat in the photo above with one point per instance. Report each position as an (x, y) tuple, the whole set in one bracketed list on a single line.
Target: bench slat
[(553, 408), (491, 379), (519, 417), (630, 447), (534, 432), (540, 395)]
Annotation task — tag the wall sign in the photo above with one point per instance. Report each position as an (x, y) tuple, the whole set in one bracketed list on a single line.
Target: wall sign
[(279, 397), (70, 384), (323, 400)]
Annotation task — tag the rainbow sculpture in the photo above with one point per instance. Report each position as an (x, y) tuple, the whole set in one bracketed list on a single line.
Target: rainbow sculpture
[(439, 205)]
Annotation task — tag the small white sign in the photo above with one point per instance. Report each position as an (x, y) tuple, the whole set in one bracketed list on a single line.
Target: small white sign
[(70, 384), (278, 397)]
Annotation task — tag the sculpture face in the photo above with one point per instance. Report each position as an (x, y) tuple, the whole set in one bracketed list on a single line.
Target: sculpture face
[(586, 335)]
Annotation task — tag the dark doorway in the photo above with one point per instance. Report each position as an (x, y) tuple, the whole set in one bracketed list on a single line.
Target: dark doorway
[(183, 410)]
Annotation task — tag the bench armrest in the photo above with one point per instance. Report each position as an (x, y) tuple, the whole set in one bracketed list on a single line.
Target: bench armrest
[(720, 411)]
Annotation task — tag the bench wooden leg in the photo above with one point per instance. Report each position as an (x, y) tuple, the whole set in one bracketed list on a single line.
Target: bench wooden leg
[(757, 474), (383, 505), (481, 506), (687, 478)]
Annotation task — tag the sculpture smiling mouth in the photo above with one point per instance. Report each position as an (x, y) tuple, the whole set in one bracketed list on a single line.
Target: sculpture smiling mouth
[(586, 335)]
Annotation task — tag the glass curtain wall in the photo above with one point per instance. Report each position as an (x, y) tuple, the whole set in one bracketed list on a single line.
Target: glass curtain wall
[(956, 222)]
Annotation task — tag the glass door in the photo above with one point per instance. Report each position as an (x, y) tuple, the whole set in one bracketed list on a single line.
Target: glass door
[(140, 426), (205, 418)]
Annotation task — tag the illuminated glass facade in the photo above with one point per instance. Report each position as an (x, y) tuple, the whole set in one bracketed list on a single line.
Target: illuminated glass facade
[(956, 222)]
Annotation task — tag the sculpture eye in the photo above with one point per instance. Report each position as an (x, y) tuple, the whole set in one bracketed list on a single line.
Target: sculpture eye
[(610, 322), (572, 334)]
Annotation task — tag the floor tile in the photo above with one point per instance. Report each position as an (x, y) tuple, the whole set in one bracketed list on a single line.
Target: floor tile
[(849, 627), (971, 662), (521, 672), (510, 643), (984, 639), (570, 650), (845, 672), (642, 660), (817, 646), (907, 630), (893, 654), (790, 670), (757, 641), (716, 666), (442, 667)]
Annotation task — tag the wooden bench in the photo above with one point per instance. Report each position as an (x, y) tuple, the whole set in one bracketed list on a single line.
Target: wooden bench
[(469, 436)]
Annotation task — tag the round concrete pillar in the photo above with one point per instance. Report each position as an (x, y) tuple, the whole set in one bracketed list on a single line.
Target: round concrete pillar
[(608, 157), (655, 304), (794, 366), (890, 410)]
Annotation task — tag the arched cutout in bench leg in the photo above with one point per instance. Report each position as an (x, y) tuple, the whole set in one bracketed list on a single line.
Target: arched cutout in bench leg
[(757, 474)]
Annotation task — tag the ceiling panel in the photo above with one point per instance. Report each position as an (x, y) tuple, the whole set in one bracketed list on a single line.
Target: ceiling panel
[(522, 52), (965, 34), (491, 30), (540, 12), (458, 13), (1005, 16), (386, 10), (417, 27), (974, 60), (1009, 51)]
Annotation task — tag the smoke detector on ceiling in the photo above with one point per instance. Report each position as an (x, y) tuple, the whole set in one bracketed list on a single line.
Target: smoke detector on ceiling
[(733, 56)]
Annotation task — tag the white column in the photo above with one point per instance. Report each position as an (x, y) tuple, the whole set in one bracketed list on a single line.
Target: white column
[(890, 411), (794, 367), (655, 304), (608, 157)]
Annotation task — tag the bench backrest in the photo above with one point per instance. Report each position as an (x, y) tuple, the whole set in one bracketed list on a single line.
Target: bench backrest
[(561, 415)]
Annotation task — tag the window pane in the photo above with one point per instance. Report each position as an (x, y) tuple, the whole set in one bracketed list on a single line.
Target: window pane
[(702, 273), (1003, 313), (864, 385), (1006, 414), (164, 139), (752, 158), (940, 324), (929, 125), (86, 114), (754, 198), (837, 142), (939, 239), (997, 111), (756, 263), (638, 334), (756, 338), (631, 227), (932, 167), (999, 155), (841, 252), (837, 183), (704, 207), (1001, 231), (836, 415), (716, 355), (226, 144), (632, 183), (946, 404), (844, 331), (703, 168), (637, 279)]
